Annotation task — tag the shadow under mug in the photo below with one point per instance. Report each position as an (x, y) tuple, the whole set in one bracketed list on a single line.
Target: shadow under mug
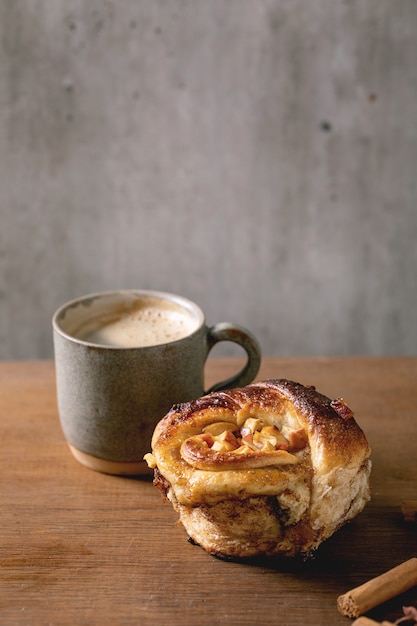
[(112, 393)]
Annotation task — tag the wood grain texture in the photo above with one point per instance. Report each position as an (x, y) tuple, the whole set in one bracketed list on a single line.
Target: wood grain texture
[(78, 547)]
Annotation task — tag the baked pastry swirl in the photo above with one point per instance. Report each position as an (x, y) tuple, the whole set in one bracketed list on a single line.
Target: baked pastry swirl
[(273, 468)]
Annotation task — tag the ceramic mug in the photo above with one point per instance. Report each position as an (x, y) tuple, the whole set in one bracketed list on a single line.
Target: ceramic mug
[(122, 359)]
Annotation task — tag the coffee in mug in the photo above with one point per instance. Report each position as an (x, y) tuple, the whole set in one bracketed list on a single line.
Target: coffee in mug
[(122, 359), (148, 321)]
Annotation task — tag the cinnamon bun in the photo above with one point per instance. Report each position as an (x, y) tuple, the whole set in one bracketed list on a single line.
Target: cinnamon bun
[(274, 468)]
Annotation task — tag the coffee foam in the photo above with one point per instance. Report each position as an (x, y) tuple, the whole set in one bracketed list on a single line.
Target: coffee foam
[(149, 322)]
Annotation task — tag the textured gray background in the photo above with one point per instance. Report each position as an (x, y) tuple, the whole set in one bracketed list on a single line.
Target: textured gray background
[(257, 156)]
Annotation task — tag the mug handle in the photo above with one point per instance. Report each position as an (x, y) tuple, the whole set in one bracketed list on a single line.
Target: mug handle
[(225, 331)]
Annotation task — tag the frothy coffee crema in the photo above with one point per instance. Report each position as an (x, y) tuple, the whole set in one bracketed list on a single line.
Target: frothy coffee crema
[(139, 327)]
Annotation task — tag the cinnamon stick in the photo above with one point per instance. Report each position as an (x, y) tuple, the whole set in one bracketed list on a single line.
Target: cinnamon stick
[(409, 510), (361, 599)]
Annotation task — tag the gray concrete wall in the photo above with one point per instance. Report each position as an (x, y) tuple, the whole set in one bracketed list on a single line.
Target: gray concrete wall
[(257, 156)]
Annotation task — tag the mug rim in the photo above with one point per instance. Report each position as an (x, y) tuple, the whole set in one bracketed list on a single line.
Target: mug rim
[(183, 301)]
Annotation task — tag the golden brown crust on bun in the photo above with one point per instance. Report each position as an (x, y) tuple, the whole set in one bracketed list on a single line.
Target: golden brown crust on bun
[(273, 468)]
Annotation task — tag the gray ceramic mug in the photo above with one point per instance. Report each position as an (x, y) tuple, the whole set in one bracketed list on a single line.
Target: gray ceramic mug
[(122, 359)]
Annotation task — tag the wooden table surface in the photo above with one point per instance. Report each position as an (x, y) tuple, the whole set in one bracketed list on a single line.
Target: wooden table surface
[(79, 547)]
